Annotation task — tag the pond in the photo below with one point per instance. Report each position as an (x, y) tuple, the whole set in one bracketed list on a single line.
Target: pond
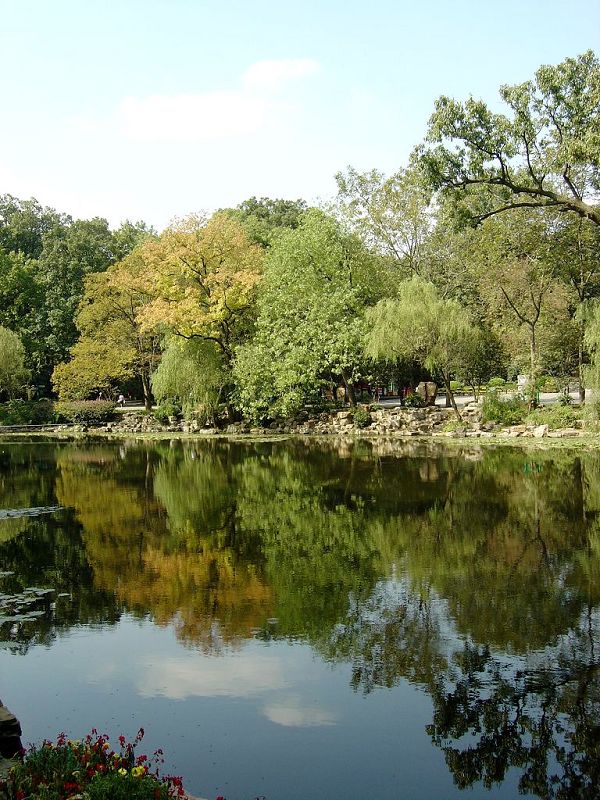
[(294, 619)]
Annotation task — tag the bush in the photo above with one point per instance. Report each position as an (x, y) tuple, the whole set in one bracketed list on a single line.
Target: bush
[(456, 386), (166, 410), (88, 412), (555, 416), (414, 401), (505, 412), (68, 769), (496, 383), (361, 418), (548, 384), (24, 412)]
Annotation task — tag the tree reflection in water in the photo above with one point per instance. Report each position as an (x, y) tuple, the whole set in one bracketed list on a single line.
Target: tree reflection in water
[(472, 574)]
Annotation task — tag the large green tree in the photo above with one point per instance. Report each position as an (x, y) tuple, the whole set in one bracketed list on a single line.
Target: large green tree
[(318, 281), (545, 153)]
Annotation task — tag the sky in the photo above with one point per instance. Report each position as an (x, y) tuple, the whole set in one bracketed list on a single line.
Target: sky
[(154, 109)]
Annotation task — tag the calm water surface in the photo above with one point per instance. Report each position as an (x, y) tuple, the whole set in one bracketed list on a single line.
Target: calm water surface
[(294, 621)]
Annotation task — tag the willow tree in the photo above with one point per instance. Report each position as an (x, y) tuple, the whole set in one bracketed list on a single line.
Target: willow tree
[(419, 323)]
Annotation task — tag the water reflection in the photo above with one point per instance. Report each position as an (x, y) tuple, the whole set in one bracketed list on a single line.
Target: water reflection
[(472, 575)]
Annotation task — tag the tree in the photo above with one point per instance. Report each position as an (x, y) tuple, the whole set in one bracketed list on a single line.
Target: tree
[(391, 215), (128, 235), (420, 323), (318, 281), (262, 218), (201, 278), (13, 373), (514, 261), (69, 255), (545, 154), (23, 224), (112, 345), (191, 372)]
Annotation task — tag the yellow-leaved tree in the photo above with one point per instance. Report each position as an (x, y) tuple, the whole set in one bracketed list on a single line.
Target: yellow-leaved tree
[(112, 346), (200, 276)]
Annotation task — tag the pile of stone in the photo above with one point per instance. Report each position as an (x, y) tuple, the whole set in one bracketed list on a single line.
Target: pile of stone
[(365, 420)]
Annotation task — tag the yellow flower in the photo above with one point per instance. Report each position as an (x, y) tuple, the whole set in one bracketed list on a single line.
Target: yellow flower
[(137, 772), (122, 771)]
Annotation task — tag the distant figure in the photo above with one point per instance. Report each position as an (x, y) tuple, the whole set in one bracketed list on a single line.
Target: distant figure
[(121, 400), (99, 395)]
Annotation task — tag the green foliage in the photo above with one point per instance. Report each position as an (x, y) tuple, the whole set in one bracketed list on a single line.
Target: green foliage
[(420, 323), (89, 412), (191, 372), (24, 412), (165, 410), (414, 400), (263, 217), (548, 383), (389, 214), (555, 416), (13, 374), (318, 281), (496, 382), (511, 411), (91, 769), (456, 386), (361, 418), (546, 153)]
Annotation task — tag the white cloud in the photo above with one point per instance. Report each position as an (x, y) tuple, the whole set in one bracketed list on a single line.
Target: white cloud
[(237, 676), (272, 75), (185, 117), (205, 116), (292, 714)]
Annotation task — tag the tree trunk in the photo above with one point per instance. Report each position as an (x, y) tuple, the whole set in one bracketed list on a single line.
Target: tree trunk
[(580, 367), (532, 369), (147, 392), (349, 389), (449, 394)]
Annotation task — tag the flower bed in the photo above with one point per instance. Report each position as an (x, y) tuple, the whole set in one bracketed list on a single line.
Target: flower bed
[(91, 770)]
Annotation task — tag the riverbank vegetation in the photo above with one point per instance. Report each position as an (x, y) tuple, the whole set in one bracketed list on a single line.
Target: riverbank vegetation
[(475, 261)]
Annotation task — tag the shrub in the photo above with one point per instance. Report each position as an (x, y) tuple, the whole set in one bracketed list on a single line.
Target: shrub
[(24, 412), (496, 382), (361, 418), (548, 384), (555, 416), (166, 410), (68, 769), (89, 412), (414, 401), (456, 386), (505, 412)]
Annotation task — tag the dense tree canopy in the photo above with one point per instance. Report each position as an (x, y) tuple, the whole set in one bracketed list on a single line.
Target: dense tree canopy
[(276, 300), (318, 281)]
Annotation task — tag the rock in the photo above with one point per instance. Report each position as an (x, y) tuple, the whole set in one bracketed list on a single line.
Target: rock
[(540, 431), (10, 733), (428, 391)]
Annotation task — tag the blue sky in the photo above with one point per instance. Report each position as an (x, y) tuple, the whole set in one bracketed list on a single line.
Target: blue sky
[(150, 109)]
